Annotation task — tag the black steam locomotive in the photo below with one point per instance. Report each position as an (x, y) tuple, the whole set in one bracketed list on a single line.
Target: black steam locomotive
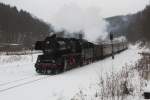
[(61, 54)]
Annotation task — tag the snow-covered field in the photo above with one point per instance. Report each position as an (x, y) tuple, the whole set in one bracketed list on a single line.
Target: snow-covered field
[(19, 81)]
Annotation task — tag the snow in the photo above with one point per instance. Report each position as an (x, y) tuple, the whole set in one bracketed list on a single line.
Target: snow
[(147, 89), (55, 87)]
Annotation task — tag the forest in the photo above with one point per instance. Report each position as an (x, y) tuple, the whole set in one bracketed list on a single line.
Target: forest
[(20, 26), (134, 26)]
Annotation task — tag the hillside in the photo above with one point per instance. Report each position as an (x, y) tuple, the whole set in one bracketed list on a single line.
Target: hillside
[(20, 26), (135, 26)]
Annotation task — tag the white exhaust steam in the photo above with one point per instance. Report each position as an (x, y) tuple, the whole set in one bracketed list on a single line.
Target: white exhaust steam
[(74, 19)]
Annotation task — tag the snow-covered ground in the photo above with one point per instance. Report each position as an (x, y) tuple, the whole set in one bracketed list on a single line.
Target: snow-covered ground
[(19, 81)]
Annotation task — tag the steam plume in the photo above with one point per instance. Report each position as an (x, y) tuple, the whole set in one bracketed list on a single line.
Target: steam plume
[(74, 19)]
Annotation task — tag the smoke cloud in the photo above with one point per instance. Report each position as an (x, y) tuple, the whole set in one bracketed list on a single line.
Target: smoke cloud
[(74, 19)]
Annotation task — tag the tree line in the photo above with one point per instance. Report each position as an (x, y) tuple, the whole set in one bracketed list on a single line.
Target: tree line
[(19, 26), (134, 26)]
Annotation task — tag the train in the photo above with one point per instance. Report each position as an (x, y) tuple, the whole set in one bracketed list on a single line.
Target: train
[(61, 54)]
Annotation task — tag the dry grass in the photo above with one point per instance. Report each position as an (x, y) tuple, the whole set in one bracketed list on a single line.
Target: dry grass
[(117, 86)]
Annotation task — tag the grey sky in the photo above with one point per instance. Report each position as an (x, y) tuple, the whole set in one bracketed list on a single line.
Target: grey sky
[(45, 9)]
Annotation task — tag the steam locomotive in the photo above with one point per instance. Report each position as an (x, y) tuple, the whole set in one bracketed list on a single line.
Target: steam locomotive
[(62, 54)]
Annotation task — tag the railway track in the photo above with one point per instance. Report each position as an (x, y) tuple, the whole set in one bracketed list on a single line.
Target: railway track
[(21, 82), (9, 82)]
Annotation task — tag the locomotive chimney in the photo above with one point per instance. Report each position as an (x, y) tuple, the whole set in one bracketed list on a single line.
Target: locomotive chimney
[(81, 36)]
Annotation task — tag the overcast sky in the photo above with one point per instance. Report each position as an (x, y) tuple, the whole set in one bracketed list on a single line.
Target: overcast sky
[(45, 9)]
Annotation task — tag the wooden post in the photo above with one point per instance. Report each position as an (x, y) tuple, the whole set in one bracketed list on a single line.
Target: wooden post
[(111, 38)]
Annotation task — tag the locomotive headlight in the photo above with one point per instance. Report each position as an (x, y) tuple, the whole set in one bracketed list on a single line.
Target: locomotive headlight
[(38, 61), (53, 61), (47, 42)]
